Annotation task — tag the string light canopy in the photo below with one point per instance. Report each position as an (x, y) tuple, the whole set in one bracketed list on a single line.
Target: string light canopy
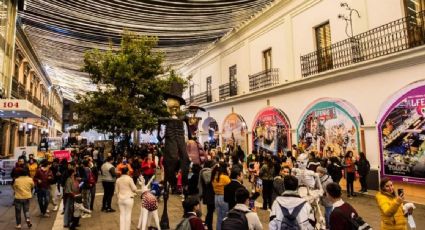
[(62, 30)]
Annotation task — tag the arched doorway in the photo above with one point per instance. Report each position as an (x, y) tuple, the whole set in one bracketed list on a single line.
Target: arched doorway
[(330, 127), (271, 131), (234, 132)]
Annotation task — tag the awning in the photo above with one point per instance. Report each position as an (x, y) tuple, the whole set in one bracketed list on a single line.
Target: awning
[(15, 108)]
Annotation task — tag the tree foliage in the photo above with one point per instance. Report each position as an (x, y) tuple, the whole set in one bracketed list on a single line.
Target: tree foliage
[(130, 83)]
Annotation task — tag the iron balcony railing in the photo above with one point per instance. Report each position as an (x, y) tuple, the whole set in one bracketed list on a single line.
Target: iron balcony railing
[(393, 37), (228, 90), (264, 79), (200, 98), (37, 102), (15, 88)]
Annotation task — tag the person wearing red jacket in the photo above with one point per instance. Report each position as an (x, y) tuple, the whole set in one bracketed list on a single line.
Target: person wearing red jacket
[(148, 167)]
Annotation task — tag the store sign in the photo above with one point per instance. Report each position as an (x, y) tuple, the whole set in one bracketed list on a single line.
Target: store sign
[(401, 131), (13, 104), (14, 108)]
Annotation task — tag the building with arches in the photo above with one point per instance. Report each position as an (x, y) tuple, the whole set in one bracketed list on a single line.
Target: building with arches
[(332, 85)]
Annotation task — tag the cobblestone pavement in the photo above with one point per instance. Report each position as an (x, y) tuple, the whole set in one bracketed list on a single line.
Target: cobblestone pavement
[(364, 204)]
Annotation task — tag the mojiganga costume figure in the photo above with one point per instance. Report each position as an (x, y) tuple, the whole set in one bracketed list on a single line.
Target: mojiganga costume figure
[(175, 156)]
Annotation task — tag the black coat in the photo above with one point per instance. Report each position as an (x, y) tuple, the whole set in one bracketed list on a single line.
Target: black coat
[(229, 193), (363, 167), (208, 194)]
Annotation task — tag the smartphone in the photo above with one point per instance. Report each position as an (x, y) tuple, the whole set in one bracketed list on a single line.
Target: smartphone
[(251, 204), (400, 191)]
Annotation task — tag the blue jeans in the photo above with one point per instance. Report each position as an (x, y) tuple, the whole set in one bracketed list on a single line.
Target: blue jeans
[(43, 196), (222, 207), (68, 210), (328, 211)]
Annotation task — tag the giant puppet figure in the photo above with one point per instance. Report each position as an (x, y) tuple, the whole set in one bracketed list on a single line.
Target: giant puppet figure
[(175, 154), (194, 148)]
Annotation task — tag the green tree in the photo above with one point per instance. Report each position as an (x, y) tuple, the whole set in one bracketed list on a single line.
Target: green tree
[(130, 83)]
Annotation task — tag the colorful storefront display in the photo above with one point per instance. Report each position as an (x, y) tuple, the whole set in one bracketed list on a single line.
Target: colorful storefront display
[(330, 127), (401, 130), (271, 131), (210, 126), (234, 132)]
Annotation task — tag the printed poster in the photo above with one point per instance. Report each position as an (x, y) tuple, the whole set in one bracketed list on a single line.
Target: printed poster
[(210, 126), (234, 132), (329, 130), (62, 154), (402, 138), (271, 131)]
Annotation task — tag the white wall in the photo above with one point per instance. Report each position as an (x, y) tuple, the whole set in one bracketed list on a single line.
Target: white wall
[(367, 93), (288, 28)]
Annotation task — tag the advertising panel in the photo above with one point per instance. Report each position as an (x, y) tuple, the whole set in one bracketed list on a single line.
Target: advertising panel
[(62, 154), (210, 126), (25, 151), (329, 130), (234, 132), (271, 131), (402, 137)]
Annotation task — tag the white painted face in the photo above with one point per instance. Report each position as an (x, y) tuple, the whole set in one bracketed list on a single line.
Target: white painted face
[(302, 161)]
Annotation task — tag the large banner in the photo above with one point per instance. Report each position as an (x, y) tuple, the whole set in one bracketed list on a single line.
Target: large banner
[(235, 132), (25, 151), (402, 137), (271, 131), (62, 154), (329, 130)]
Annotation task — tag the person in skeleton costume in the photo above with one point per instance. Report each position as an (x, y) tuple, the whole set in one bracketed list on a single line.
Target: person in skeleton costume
[(310, 187), (175, 154)]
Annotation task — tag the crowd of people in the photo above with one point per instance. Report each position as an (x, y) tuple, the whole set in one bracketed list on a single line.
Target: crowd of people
[(217, 182)]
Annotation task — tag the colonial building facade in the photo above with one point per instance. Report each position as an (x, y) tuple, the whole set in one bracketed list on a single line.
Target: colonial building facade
[(327, 76), (33, 107)]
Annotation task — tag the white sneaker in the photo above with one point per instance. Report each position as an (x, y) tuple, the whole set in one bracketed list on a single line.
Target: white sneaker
[(85, 216), (47, 211)]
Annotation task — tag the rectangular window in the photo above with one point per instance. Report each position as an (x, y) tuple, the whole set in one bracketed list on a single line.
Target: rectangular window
[(232, 81), (209, 90), (267, 59), (415, 21), (191, 90), (323, 43)]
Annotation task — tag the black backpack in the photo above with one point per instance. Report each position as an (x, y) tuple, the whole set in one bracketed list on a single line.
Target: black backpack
[(235, 219), (356, 222), (289, 221)]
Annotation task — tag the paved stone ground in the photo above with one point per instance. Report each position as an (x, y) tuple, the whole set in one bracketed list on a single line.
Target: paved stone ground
[(364, 204)]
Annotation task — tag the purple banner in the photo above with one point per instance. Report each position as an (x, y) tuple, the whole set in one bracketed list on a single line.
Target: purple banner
[(402, 137)]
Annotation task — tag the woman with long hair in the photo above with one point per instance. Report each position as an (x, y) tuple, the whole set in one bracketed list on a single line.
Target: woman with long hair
[(350, 173), (220, 178), (391, 207), (363, 167)]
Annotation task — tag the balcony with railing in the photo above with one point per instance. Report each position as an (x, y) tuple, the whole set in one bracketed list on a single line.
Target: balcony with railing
[(18, 90), (200, 98), (264, 79), (228, 90), (37, 102), (393, 37)]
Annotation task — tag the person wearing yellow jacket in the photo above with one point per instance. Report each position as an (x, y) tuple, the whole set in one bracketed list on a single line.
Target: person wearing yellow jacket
[(391, 207)]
